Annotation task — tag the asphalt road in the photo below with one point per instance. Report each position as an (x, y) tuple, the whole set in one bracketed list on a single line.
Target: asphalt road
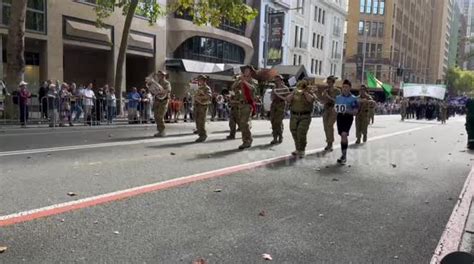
[(389, 204)]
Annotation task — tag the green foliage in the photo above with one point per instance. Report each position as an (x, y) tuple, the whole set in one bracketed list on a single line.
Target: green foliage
[(459, 80), (203, 12)]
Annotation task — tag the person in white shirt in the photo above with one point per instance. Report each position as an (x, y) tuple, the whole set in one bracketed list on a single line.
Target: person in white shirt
[(88, 100)]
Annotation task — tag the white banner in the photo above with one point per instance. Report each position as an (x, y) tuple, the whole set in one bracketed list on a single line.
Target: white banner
[(426, 90)]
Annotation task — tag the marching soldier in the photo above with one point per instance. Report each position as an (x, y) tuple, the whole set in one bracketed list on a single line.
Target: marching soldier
[(372, 105), (277, 109), (328, 97), (202, 99), (404, 108), (443, 112), (243, 91), (234, 108), (301, 106), (160, 106), (362, 117)]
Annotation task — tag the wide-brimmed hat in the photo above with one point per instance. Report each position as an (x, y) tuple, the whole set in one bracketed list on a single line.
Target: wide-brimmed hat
[(162, 72), (279, 76), (22, 83), (248, 67), (203, 77), (331, 78)]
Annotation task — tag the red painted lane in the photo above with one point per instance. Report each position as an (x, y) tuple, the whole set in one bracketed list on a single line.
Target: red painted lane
[(101, 199), (452, 235)]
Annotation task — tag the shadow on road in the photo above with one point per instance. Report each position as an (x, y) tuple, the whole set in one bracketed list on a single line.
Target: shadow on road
[(173, 145), (123, 139)]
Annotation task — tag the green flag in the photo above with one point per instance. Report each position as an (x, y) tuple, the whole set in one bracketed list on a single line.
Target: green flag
[(373, 83)]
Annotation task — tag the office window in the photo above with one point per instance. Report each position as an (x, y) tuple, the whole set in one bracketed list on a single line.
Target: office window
[(374, 29), (360, 46), (319, 15), (299, 60), (316, 66), (301, 38), (381, 29), (294, 59), (318, 40), (302, 7), (324, 17), (382, 7), (362, 6), (332, 48), (315, 13), (368, 7), (314, 40), (368, 27), (312, 65), (373, 49), (210, 50), (379, 51), (35, 14), (375, 9), (322, 42), (336, 50), (320, 66), (378, 71), (296, 36), (335, 69), (361, 27), (367, 49)]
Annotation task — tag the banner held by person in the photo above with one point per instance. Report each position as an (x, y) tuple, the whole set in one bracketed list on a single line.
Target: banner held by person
[(426, 90)]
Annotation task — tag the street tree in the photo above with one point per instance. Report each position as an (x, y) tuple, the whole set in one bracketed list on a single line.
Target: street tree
[(460, 81), (15, 50), (203, 12)]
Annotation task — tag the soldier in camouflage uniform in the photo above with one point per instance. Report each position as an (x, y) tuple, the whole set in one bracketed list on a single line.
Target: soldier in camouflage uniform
[(245, 105), (403, 108), (328, 97), (202, 99), (362, 117), (234, 109), (301, 106), (277, 109), (160, 105)]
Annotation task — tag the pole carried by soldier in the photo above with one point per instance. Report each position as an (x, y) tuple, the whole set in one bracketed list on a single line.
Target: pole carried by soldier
[(202, 99), (362, 117), (161, 90), (327, 95), (277, 109), (301, 106)]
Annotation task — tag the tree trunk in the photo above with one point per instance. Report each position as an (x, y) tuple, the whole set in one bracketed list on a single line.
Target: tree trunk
[(15, 51), (123, 47)]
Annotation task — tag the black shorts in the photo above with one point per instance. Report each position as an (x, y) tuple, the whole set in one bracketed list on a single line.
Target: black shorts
[(344, 123)]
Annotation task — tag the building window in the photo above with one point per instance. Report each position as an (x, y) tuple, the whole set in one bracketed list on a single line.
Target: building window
[(300, 6), (314, 40), (296, 36), (381, 29), (35, 15), (315, 13), (362, 6), (294, 59), (382, 7), (335, 69), (373, 50), (375, 9), (299, 60), (374, 29), (301, 38), (316, 67), (378, 71), (319, 15), (318, 40), (322, 42), (337, 26), (210, 50), (320, 66), (368, 7), (93, 2), (324, 17), (361, 27), (360, 46), (379, 51), (312, 65)]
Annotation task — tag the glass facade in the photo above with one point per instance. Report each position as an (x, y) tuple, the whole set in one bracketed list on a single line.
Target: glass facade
[(225, 25), (35, 14), (210, 50)]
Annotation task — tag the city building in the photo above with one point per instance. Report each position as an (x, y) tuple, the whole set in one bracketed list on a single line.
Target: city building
[(467, 9), (316, 36), (390, 39), (63, 43)]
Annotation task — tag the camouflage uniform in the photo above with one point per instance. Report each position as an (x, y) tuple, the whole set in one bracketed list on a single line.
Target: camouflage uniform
[(362, 117), (300, 120), (277, 114), (244, 112), (160, 106), (200, 110), (329, 114)]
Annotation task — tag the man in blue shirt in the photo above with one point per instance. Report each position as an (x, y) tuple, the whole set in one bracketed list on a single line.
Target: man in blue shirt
[(346, 107), (134, 99)]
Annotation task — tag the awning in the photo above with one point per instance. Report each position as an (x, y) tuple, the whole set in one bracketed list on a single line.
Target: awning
[(193, 66), (289, 70)]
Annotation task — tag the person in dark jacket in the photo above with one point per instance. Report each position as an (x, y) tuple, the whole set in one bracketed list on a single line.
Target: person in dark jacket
[(43, 91)]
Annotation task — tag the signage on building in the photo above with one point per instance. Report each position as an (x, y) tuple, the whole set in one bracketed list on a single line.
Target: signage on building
[(275, 38)]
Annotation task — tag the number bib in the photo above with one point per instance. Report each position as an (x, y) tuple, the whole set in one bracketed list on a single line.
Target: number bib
[(341, 108)]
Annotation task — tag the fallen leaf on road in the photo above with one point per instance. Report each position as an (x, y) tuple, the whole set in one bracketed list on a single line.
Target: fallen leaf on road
[(262, 213), (393, 165), (3, 249), (425, 168), (462, 151), (449, 154), (172, 153), (117, 232), (71, 194), (450, 199), (96, 222), (321, 215), (62, 220), (335, 179), (427, 202), (209, 156), (327, 167), (218, 190), (29, 157), (110, 135), (318, 169), (267, 256), (200, 261), (395, 257), (431, 138), (332, 243)]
